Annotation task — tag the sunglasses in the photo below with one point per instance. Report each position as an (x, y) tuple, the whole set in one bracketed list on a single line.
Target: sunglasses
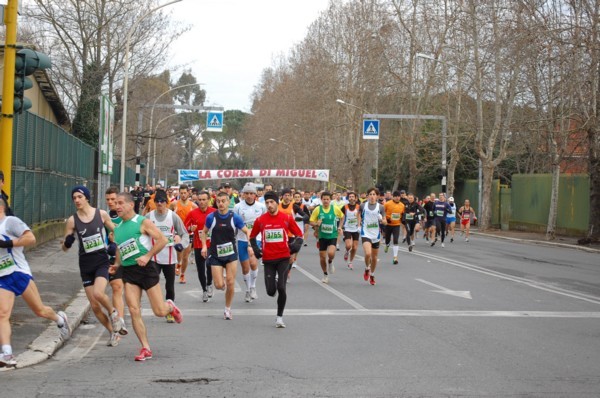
[(161, 201)]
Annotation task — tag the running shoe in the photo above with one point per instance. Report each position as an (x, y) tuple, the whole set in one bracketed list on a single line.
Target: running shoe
[(205, 296), (294, 265), (432, 244), (248, 298), (116, 321), (331, 267), (404, 240), (210, 291), (113, 341), (279, 323), (325, 279), (443, 244), (451, 240), (372, 280), (410, 248), (227, 315), (182, 279), (175, 311), (177, 269), (7, 360), (65, 329), (395, 261), (253, 291), (306, 244), (346, 255), (145, 353), (123, 331), (466, 239), (350, 267), (367, 273), (337, 247), (170, 318), (386, 248)]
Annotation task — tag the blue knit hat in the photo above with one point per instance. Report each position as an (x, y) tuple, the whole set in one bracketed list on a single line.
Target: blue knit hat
[(81, 189)]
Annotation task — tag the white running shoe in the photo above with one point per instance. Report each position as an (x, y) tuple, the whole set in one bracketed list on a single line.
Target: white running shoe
[(227, 315), (204, 297), (8, 360), (331, 268), (65, 329), (123, 331), (279, 323), (114, 340), (443, 244), (116, 321), (466, 239), (248, 298), (294, 265), (210, 290), (325, 279), (253, 294)]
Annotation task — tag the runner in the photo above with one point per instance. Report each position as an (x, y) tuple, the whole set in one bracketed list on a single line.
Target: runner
[(325, 219), (4, 196), (429, 206), (249, 210), (404, 200), (451, 218), (222, 254), (412, 212), (351, 228), (287, 206), (442, 209), (339, 203), (170, 225), (87, 226), (275, 227), (183, 207), (394, 211), (195, 222), (372, 214), (466, 213), (115, 280), (134, 236), (301, 220), (16, 280)]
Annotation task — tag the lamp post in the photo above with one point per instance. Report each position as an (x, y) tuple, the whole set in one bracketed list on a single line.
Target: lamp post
[(293, 151), (125, 87), (342, 102)]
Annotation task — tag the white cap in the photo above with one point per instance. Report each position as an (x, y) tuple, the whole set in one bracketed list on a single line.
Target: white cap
[(249, 187), (451, 199)]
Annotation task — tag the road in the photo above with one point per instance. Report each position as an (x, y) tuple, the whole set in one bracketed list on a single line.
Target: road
[(488, 318)]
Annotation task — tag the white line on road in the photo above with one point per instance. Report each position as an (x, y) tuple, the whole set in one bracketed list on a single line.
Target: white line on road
[(396, 313), (331, 290), (444, 290)]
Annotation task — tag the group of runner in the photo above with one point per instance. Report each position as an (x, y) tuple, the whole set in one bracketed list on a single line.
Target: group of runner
[(129, 251)]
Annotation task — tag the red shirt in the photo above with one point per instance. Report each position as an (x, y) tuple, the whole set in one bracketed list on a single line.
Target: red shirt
[(198, 217), (275, 231)]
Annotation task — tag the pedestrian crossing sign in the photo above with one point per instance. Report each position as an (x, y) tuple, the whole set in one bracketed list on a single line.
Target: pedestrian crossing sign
[(370, 129), (214, 121)]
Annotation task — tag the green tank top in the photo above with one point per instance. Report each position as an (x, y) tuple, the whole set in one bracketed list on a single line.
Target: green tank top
[(328, 228), (132, 243)]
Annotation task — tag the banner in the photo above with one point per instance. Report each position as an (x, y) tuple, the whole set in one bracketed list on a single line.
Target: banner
[(105, 134), (303, 174)]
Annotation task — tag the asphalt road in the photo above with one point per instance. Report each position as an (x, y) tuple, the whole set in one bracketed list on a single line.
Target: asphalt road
[(488, 318)]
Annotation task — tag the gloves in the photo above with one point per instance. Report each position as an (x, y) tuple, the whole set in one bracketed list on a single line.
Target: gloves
[(6, 244), (111, 249), (69, 240), (178, 247), (296, 245), (257, 252)]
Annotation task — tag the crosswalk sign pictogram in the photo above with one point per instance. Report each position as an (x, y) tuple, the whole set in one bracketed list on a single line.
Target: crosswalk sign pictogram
[(371, 129), (214, 121)]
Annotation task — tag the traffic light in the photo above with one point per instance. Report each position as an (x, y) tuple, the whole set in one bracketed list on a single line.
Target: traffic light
[(26, 63)]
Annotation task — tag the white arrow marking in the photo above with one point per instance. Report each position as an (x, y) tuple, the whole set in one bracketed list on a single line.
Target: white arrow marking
[(458, 293)]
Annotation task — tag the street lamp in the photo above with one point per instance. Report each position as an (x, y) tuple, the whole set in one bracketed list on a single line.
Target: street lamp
[(293, 151), (125, 87)]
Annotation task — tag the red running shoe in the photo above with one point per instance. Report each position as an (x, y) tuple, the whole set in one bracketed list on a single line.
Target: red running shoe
[(175, 312), (372, 280), (367, 273), (145, 353)]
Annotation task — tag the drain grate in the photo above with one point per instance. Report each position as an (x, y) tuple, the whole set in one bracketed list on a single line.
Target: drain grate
[(196, 380)]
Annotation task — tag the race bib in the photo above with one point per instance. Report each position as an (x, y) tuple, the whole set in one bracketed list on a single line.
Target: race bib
[(92, 243), (410, 216), (430, 213), (352, 222), (373, 225), (274, 235), (327, 228), (170, 240), (440, 213), (250, 225), (396, 216), (6, 261), (224, 250), (128, 249), (466, 216)]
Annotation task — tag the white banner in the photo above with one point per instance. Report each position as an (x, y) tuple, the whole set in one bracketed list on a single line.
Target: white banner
[(302, 174)]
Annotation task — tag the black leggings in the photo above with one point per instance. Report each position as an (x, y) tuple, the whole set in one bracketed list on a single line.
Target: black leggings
[(204, 272), (392, 230), (168, 271), (410, 230), (441, 228), (280, 269)]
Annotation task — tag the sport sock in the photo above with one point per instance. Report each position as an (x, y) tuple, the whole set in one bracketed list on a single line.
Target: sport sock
[(7, 349), (395, 250), (253, 277), (247, 280)]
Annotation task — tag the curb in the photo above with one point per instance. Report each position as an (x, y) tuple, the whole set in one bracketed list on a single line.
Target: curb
[(538, 242), (47, 343)]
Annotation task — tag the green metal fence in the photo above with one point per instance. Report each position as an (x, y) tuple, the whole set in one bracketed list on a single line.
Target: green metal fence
[(47, 163)]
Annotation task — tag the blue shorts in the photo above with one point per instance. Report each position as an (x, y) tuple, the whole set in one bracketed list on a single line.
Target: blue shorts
[(221, 261), (16, 282), (450, 219), (243, 250)]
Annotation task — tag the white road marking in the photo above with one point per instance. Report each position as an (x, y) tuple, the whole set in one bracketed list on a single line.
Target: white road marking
[(331, 290), (529, 282), (458, 293), (396, 313)]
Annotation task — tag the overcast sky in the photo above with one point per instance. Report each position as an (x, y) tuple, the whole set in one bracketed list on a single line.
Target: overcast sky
[(232, 41)]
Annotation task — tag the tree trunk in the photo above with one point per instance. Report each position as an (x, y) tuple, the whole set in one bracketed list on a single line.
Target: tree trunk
[(485, 215), (594, 172), (551, 227)]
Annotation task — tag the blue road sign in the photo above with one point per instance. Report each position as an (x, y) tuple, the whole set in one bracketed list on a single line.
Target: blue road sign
[(371, 129), (214, 121)]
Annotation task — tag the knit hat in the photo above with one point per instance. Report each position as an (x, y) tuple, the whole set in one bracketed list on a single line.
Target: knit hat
[(82, 190), (249, 188), (271, 195)]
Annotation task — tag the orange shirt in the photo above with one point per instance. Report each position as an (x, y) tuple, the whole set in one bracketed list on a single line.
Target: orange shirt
[(393, 212), (183, 210)]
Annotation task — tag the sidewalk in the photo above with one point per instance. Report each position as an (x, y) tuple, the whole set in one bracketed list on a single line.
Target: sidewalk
[(537, 238)]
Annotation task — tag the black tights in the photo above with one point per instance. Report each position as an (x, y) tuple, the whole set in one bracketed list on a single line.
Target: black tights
[(168, 271), (204, 272), (441, 228), (392, 231), (410, 230), (280, 270)]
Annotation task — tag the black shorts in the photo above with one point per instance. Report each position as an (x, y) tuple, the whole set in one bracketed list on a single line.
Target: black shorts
[(351, 235), (429, 223), (89, 274), (374, 245), (144, 277), (221, 261), (116, 275), (325, 243)]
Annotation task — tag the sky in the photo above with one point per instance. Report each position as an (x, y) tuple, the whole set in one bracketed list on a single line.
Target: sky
[(236, 41)]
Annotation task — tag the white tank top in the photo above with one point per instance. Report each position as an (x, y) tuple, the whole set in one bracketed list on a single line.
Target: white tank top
[(370, 223), (351, 219), (167, 255), (249, 214), (13, 259)]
